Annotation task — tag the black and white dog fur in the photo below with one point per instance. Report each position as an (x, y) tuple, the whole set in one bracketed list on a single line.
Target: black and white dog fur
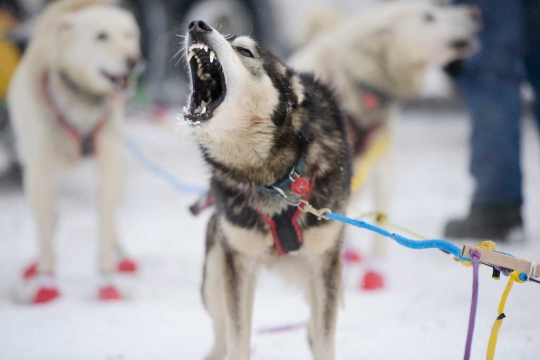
[(259, 118)]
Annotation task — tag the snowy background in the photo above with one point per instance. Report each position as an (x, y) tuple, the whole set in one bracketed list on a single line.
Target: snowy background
[(422, 313)]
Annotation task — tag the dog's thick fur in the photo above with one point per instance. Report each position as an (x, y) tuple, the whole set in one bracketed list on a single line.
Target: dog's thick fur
[(75, 43), (387, 49), (270, 116)]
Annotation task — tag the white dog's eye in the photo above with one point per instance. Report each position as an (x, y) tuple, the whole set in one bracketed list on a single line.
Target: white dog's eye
[(244, 52), (102, 36), (428, 17)]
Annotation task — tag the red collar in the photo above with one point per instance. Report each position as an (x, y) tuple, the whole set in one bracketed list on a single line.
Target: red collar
[(85, 142)]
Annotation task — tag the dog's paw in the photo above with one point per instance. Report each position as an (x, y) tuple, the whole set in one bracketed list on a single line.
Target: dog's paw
[(45, 295), (38, 289), (373, 280), (127, 266), (109, 293)]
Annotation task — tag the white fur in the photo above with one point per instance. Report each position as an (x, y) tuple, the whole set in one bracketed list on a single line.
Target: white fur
[(65, 40)]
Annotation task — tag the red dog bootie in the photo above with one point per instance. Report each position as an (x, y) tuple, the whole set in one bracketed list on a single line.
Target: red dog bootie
[(109, 293), (373, 280), (127, 266), (30, 271), (46, 295), (39, 289)]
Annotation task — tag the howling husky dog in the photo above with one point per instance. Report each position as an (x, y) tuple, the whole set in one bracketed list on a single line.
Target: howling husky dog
[(274, 138)]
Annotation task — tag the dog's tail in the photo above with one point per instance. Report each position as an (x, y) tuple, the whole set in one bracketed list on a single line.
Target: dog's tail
[(320, 21)]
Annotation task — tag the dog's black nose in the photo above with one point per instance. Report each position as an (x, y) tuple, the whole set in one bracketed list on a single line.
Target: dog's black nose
[(199, 26), (460, 44)]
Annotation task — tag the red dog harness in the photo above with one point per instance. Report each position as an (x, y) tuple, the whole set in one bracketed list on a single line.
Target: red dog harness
[(286, 231), (86, 142), (285, 228)]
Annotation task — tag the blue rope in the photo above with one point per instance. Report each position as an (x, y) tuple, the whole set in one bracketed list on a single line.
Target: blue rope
[(411, 244), (166, 176)]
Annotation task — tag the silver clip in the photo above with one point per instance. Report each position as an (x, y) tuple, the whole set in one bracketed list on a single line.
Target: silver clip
[(319, 213)]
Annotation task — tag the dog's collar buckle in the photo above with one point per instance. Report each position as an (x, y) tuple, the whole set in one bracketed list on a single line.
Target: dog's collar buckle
[(291, 188)]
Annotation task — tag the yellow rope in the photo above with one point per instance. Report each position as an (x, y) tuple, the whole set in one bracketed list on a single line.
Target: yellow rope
[(382, 218), (514, 277), (484, 245), (372, 156)]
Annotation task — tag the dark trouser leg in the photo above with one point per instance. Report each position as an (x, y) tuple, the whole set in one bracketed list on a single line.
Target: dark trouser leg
[(532, 51), (491, 83)]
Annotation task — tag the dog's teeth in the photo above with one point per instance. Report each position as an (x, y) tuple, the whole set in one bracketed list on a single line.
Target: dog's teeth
[(198, 60), (212, 56), (204, 103), (186, 111), (191, 55), (203, 110), (205, 48)]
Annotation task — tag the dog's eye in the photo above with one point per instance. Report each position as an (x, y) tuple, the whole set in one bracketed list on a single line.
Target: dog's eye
[(102, 36), (428, 17), (244, 52)]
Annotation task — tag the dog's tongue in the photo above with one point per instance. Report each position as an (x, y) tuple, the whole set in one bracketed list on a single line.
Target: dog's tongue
[(124, 82)]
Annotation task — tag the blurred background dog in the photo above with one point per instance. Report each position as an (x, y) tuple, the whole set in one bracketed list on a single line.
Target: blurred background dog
[(376, 61), (66, 101)]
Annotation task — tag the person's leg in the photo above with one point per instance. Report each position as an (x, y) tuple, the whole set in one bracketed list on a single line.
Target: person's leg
[(532, 51), (491, 83)]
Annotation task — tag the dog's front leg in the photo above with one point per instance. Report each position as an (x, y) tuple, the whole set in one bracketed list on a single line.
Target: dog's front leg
[(40, 187), (240, 275), (324, 296), (111, 170)]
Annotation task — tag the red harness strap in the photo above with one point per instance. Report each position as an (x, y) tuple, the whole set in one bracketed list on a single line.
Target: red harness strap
[(286, 231), (86, 142)]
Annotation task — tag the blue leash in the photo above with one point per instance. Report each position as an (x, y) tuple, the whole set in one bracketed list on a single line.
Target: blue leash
[(443, 245), (159, 172)]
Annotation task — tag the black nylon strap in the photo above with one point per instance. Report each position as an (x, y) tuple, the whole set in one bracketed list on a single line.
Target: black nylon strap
[(286, 233)]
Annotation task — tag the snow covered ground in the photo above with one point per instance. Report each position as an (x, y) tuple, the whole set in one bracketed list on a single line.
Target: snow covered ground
[(422, 314)]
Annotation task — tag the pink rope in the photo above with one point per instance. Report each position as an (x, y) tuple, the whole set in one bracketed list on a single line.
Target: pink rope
[(282, 328), (475, 255)]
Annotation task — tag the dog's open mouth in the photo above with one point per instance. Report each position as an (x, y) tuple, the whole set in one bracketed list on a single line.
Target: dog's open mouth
[(461, 45), (208, 82), (121, 82)]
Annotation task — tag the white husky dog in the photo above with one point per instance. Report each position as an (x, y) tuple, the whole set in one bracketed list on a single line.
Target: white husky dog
[(67, 100), (377, 60)]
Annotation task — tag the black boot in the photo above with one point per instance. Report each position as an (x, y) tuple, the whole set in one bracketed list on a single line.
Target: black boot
[(498, 223)]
